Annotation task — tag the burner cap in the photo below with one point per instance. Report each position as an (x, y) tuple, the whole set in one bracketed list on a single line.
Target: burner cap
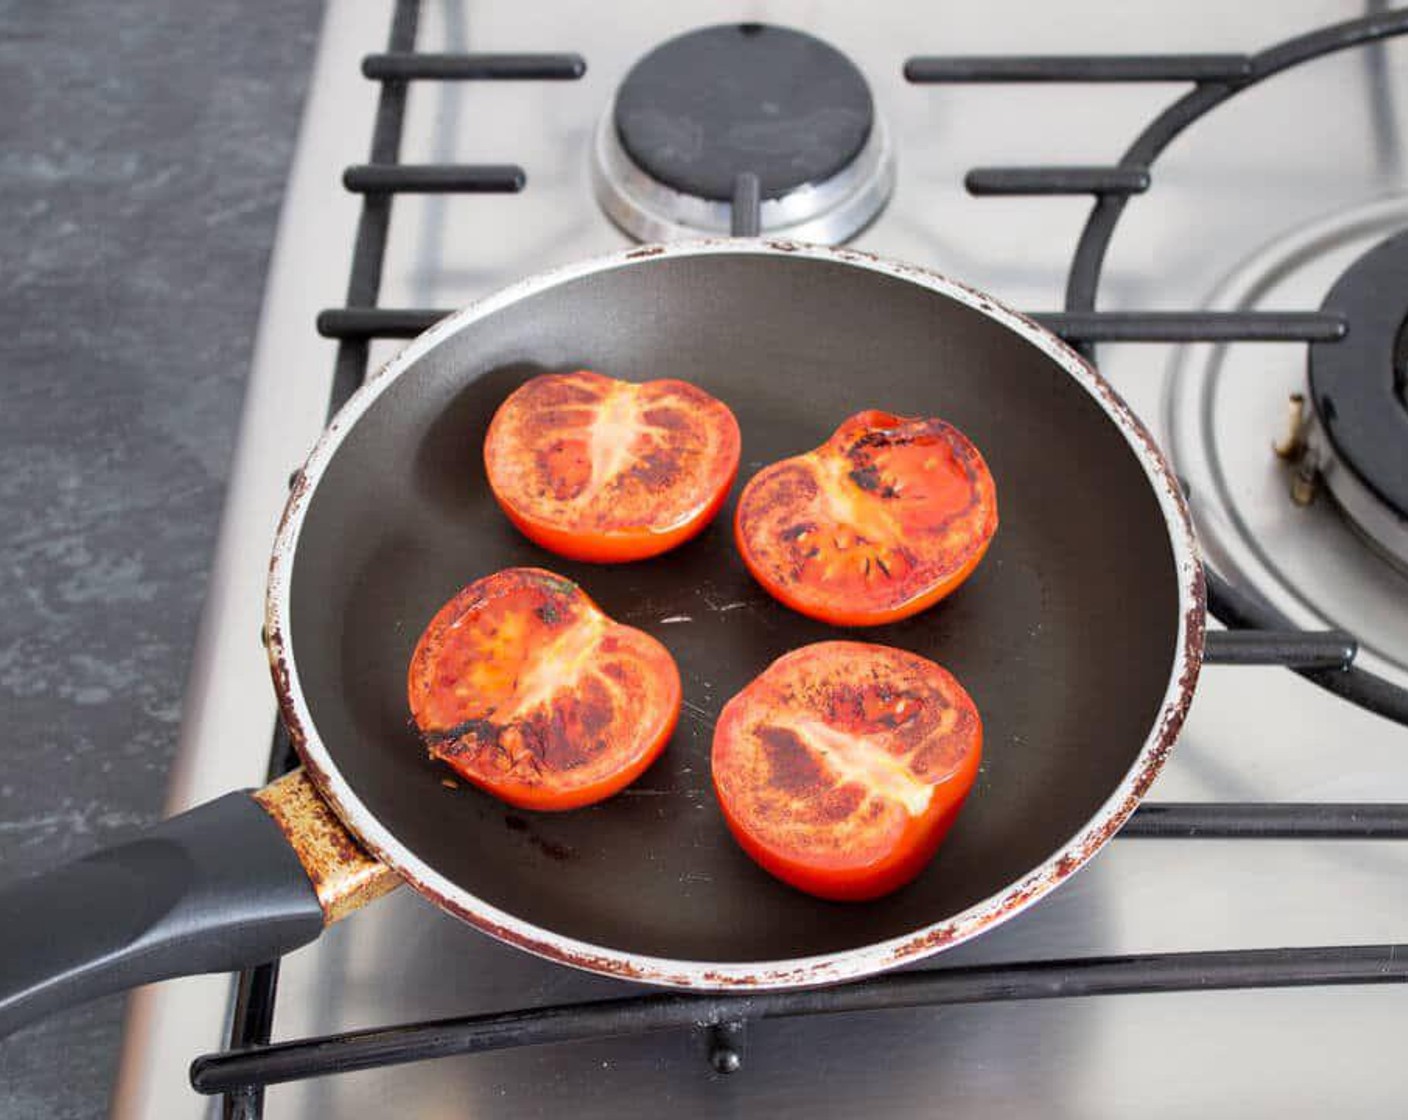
[(711, 104), (1357, 383)]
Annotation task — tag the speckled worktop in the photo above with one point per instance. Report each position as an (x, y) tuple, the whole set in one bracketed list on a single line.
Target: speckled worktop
[(143, 152)]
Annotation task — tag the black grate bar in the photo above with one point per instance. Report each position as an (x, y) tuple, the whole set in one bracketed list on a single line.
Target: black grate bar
[(1056, 180), (251, 1025), (1143, 973), (1084, 278), (377, 322), (1293, 649), (369, 252), (927, 70), (1269, 821), (405, 66), (1095, 326), (435, 178), (1195, 326), (1238, 606)]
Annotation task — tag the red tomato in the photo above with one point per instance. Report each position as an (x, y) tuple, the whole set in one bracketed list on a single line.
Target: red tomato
[(527, 689), (593, 468), (878, 523), (843, 765)]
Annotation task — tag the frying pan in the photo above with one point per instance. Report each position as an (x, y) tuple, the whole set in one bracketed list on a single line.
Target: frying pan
[(1079, 637)]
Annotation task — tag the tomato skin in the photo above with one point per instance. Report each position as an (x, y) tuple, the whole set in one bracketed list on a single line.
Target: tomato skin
[(602, 470), (879, 523), (616, 547), (524, 687), (865, 884), (841, 768)]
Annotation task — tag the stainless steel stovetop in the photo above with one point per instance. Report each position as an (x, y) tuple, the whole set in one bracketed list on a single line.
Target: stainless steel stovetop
[(1235, 200)]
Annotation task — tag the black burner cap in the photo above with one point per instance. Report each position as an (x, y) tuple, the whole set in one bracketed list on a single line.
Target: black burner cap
[(704, 107), (1358, 383)]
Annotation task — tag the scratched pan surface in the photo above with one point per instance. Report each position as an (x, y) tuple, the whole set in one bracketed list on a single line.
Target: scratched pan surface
[(1078, 637)]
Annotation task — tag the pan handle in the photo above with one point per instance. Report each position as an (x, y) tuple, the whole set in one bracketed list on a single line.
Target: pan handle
[(227, 885)]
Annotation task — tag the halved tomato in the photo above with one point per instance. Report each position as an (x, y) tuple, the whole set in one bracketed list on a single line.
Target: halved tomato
[(593, 468), (878, 523), (842, 766), (527, 689)]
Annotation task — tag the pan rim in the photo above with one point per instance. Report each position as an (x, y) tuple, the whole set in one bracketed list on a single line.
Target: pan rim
[(828, 968)]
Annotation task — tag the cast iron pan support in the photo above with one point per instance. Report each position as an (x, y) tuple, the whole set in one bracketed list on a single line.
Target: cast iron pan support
[(747, 205), (1217, 79), (1232, 605)]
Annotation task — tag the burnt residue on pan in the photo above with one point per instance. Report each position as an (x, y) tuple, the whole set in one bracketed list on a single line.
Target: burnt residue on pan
[(550, 848)]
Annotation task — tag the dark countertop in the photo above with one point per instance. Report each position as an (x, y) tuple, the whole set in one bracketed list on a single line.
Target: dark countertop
[(145, 148)]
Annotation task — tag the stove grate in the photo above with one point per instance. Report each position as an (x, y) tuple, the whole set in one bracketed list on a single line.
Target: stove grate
[(1217, 78), (237, 1069)]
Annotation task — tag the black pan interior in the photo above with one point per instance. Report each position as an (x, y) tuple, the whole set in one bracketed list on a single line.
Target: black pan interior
[(1065, 635)]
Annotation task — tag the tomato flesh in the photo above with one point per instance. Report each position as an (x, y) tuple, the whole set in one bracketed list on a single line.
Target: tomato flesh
[(593, 468), (526, 688), (878, 523), (843, 765)]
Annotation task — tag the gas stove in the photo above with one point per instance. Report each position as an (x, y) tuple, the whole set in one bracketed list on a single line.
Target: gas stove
[(954, 138)]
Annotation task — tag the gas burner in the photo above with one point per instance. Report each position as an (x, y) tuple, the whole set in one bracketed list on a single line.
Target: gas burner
[(1359, 442), (711, 105), (1225, 406)]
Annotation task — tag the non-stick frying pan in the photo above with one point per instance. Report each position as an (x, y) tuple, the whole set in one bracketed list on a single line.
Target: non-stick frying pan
[(1079, 637)]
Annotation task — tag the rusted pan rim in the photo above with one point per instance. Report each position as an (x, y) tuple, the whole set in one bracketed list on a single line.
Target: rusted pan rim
[(824, 969)]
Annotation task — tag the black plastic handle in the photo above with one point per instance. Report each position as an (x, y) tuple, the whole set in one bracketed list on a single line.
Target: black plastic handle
[(213, 890)]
